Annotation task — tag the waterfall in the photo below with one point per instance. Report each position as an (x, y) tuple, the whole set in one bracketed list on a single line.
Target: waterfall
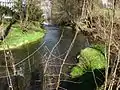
[(46, 8)]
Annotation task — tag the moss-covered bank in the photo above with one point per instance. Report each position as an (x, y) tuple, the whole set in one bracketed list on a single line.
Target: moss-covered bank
[(17, 38)]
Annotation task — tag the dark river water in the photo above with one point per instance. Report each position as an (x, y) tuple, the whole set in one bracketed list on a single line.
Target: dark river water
[(30, 61)]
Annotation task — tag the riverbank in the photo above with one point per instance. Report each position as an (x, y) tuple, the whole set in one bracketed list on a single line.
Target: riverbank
[(17, 38), (105, 25)]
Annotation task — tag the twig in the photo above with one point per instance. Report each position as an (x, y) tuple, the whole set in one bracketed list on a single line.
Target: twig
[(109, 47)]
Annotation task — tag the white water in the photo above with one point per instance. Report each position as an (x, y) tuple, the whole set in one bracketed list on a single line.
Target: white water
[(46, 8)]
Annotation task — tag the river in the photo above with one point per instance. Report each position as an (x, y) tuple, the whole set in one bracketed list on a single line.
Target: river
[(30, 69), (59, 39), (38, 64)]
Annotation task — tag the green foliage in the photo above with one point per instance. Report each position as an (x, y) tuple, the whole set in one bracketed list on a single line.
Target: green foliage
[(67, 10), (33, 25), (90, 59), (34, 13), (33, 10), (8, 12), (5, 10), (29, 12)]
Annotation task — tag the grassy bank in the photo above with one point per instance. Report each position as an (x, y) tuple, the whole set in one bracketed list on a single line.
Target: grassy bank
[(17, 38)]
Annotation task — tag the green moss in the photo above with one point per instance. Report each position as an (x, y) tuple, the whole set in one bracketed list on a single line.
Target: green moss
[(90, 59), (77, 71), (93, 58), (17, 37), (100, 47)]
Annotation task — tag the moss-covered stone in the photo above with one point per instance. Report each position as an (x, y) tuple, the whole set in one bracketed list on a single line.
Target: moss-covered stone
[(90, 59), (93, 58), (77, 71)]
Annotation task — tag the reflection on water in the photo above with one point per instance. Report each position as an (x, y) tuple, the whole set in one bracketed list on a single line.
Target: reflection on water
[(28, 66), (85, 82)]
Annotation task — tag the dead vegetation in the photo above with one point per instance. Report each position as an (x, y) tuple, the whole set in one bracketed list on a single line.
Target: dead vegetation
[(105, 23), (100, 25)]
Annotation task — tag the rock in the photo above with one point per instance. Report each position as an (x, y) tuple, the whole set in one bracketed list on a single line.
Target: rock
[(89, 60), (93, 58)]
